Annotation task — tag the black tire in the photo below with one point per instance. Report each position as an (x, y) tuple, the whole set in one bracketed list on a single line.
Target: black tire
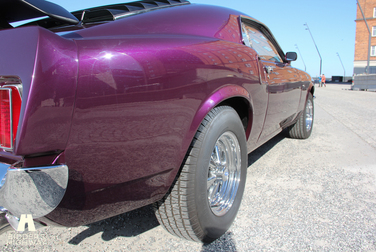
[(5, 229), (185, 211), (302, 129)]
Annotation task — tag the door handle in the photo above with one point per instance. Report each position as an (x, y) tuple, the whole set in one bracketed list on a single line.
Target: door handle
[(269, 69)]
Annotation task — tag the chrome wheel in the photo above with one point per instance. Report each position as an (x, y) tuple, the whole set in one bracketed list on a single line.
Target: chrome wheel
[(309, 115), (224, 173), (302, 128)]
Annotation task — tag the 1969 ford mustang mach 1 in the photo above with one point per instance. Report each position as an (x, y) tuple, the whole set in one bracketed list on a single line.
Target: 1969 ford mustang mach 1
[(112, 108)]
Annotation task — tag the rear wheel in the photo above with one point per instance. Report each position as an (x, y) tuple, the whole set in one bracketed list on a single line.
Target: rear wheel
[(302, 129), (205, 198)]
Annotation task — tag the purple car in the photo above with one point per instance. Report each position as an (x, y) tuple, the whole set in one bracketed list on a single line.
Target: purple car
[(112, 108)]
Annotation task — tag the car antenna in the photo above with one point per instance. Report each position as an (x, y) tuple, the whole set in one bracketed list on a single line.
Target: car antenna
[(82, 19)]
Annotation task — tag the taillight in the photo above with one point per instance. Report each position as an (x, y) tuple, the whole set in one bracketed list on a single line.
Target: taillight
[(10, 107)]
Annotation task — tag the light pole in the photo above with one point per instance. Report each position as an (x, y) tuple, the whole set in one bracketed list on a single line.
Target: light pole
[(315, 46), (344, 72), (305, 68), (369, 37)]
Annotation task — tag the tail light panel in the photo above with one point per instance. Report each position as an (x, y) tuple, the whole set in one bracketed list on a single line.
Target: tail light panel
[(10, 108)]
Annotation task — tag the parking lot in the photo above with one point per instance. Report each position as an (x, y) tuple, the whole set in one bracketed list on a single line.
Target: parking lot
[(316, 194)]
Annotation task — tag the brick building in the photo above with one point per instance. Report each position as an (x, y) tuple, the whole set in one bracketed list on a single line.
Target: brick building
[(362, 35)]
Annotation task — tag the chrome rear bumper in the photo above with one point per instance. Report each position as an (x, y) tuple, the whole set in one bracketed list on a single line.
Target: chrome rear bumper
[(36, 191)]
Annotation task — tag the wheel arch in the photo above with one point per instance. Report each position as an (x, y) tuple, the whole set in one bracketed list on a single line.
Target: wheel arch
[(312, 90), (243, 108), (234, 96)]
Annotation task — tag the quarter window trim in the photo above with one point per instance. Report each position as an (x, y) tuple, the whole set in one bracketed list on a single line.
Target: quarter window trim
[(265, 31)]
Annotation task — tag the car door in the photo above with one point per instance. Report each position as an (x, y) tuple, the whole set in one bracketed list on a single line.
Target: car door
[(283, 84)]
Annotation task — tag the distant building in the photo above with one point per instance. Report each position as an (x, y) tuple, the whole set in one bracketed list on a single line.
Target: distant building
[(361, 37)]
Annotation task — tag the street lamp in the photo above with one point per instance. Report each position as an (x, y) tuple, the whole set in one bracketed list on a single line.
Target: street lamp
[(315, 46), (369, 37), (344, 72), (305, 68)]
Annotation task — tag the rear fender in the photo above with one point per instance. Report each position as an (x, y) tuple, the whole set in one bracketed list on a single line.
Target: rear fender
[(48, 96), (215, 99)]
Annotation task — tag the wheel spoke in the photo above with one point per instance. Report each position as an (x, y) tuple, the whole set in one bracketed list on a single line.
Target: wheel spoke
[(212, 165), (223, 156), (217, 154), (214, 193), (211, 181)]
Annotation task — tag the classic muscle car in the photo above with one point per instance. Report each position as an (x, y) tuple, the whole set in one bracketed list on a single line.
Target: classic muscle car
[(108, 109)]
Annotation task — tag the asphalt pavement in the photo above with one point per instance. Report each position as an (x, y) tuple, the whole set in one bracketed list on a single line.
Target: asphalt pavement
[(317, 194)]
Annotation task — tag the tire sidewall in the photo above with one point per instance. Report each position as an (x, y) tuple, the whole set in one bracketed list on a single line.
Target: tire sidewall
[(308, 133), (214, 226)]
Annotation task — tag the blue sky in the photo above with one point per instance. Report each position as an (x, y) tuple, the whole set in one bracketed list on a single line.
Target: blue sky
[(331, 23)]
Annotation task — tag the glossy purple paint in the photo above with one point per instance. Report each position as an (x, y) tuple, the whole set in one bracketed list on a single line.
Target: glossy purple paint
[(50, 95), (50, 62), (193, 20), (119, 103)]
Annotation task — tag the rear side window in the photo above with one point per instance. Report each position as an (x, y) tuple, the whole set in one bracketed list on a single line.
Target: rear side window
[(257, 41)]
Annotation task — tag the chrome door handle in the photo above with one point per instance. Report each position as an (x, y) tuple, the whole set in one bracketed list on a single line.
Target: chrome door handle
[(269, 69)]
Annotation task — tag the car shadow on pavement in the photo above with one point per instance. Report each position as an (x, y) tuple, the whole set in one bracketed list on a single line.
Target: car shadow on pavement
[(266, 147), (224, 243), (128, 224)]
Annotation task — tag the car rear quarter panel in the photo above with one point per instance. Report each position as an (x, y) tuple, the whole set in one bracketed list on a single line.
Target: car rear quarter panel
[(141, 96), (47, 67)]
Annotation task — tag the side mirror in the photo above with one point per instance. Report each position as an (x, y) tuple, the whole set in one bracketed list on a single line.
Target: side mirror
[(291, 56)]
